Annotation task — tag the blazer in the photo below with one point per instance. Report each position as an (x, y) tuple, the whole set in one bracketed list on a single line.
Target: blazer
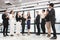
[(52, 15), (23, 21), (37, 20), (18, 18), (5, 20)]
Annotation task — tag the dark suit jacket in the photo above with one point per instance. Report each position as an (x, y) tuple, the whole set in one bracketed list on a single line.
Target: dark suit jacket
[(52, 15), (37, 20), (5, 20), (18, 18), (23, 21)]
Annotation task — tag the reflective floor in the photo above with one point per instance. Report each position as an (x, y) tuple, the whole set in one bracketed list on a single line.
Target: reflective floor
[(27, 37)]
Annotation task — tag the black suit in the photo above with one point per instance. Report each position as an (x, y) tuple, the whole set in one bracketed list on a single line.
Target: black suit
[(18, 18), (52, 19), (23, 24), (5, 24), (43, 25), (37, 22)]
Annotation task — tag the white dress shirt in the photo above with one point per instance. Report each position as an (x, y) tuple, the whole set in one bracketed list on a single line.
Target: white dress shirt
[(42, 15)]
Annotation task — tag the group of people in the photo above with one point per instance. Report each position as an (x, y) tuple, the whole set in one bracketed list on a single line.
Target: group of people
[(48, 21), (47, 17), (20, 21)]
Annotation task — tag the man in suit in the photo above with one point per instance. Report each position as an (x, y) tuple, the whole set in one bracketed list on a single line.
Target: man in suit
[(23, 24), (51, 12), (5, 23), (37, 22)]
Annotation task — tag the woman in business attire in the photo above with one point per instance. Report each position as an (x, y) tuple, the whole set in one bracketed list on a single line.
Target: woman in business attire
[(11, 21), (5, 19), (43, 21), (28, 22), (18, 23), (48, 24)]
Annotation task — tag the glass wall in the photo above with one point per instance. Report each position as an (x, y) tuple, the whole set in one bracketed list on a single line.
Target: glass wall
[(57, 11), (1, 17), (1, 26)]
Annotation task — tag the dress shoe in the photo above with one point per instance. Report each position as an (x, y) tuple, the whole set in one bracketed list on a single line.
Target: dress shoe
[(11, 35), (7, 35), (53, 37), (48, 35), (4, 35), (37, 34)]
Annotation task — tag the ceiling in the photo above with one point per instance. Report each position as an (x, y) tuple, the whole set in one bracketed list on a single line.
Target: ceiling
[(16, 3)]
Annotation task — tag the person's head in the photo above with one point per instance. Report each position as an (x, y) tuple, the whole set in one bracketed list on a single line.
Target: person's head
[(11, 12), (28, 13), (37, 12), (43, 11), (18, 13), (22, 14), (51, 5)]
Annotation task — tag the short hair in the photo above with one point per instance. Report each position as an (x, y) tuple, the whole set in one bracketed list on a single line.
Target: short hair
[(22, 14), (5, 10), (43, 10), (51, 4), (11, 11)]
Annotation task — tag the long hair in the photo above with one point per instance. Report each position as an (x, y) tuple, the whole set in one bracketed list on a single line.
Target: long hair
[(11, 11), (28, 14)]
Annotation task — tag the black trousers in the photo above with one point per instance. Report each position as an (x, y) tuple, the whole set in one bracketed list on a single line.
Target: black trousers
[(43, 25), (5, 29), (53, 28), (38, 28), (23, 28)]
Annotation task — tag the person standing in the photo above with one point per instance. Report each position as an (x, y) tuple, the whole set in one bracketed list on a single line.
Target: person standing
[(48, 23), (28, 22), (43, 21), (51, 12), (37, 22), (5, 23), (23, 24), (18, 23), (11, 21)]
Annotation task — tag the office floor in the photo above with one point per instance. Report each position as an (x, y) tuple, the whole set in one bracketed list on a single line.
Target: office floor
[(27, 37)]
